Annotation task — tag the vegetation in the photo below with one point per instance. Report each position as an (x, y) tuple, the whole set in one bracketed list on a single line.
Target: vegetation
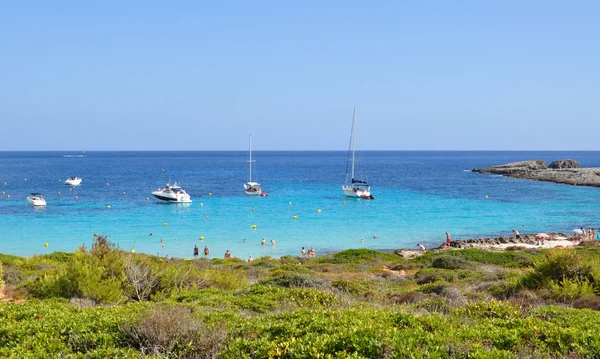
[(103, 302)]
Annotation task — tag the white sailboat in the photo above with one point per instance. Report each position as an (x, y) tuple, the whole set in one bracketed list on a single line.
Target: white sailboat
[(355, 188), (252, 188)]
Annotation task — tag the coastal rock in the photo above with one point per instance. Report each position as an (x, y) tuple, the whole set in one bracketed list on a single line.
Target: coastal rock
[(514, 167), (408, 254), (565, 164), (563, 171)]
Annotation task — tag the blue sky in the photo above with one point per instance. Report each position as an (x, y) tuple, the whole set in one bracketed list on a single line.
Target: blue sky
[(202, 75)]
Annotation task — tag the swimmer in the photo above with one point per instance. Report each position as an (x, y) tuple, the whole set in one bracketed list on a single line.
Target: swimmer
[(374, 236), (362, 240), (272, 242), (263, 241), (303, 252), (206, 250), (150, 235)]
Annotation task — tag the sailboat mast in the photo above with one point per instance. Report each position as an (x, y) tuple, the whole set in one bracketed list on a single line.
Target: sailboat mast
[(353, 139), (250, 145)]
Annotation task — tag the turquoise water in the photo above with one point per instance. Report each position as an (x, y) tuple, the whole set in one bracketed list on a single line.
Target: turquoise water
[(420, 195)]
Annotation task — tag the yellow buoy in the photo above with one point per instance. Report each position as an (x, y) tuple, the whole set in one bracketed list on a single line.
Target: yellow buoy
[(8, 196), (486, 196), (133, 251), (290, 202), (294, 217), (2, 192), (165, 224), (206, 217), (253, 226), (344, 202), (201, 238), (318, 210), (46, 244), (201, 204)]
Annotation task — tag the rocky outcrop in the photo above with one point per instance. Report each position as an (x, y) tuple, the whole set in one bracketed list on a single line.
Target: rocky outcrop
[(514, 167), (562, 171), (565, 164), (490, 242)]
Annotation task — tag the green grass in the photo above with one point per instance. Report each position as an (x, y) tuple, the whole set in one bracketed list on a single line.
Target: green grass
[(351, 304)]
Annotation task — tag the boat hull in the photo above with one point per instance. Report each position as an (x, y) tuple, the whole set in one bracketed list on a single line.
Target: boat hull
[(169, 199), (355, 192), (73, 183), (37, 202)]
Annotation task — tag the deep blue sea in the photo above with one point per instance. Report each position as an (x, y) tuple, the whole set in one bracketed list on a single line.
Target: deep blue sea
[(420, 195)]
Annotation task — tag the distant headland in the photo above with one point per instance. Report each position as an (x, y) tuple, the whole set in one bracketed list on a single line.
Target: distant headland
[(562, 171)]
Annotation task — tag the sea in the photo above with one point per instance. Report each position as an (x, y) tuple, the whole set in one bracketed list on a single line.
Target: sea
[(419, 197)]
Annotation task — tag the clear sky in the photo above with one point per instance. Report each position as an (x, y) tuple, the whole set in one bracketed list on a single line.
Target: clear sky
[(202, 75)]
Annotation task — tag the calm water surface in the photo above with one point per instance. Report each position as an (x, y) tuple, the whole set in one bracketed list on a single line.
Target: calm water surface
[(420, 195)]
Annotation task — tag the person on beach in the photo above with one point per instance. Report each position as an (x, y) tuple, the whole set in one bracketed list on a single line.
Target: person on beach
[(250, 259), (263, 241), (272, 242), (448, 239), (443, 247), (592, 234), (517, 234), (421, 247), (228, 254), (303, 252), (206, 252), (583, 234), (196, 250), (311, 252)]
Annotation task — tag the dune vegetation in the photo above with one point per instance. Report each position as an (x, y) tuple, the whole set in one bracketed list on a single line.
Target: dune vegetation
[(102, 302)]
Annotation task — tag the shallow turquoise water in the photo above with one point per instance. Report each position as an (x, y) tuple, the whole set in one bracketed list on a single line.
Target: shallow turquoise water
[(420, 195)]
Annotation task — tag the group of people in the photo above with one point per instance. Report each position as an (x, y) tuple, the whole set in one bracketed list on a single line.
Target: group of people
[(587, 235), (311, 252), (197, 251), (443, 247)]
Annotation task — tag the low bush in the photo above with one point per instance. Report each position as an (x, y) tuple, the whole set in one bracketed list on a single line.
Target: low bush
[(449, 262), (174, 332), (357, 256), (296, 280)]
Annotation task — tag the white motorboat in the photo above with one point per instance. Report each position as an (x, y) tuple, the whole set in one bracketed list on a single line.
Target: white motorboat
[(252, 188), (73, 181), (36, 199), (355, 188), (172, 193)]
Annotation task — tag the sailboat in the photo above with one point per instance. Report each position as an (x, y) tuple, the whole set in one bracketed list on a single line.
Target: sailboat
[(355, 188), (252, 188)]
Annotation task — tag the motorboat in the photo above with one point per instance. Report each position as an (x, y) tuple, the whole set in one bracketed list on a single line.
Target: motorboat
[(36, 199), (252, 188), (73, 181), (172, 193), (355, 187)]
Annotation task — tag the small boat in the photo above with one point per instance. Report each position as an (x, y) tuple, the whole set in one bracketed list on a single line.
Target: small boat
[(172, 193), (73, 181), (355, 188), (36, 199), (252, 188)]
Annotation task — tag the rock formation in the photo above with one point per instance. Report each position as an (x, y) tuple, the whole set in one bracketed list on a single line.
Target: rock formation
[(563, 171)]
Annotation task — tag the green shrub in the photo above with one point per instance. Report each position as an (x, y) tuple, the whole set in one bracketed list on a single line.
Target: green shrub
[(296, 280), (449, 262), (357, 256), (174, 332)]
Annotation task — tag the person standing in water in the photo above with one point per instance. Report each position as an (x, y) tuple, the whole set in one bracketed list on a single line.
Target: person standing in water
[(206, 252), (263, 241), (303, 252), (196, 250)]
